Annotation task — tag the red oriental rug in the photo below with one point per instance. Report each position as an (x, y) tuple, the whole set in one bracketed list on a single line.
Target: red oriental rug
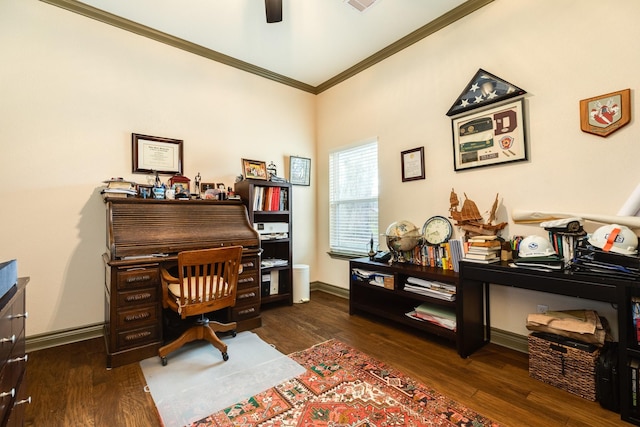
[(345, 387)]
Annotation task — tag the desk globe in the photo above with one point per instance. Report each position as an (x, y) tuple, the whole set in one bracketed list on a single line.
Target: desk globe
[(402, 236)]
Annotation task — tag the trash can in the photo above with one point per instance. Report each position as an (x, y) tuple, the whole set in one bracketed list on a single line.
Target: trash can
[(300, 283)]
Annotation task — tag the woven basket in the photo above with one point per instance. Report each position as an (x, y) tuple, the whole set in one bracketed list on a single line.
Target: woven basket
[(562, 365)]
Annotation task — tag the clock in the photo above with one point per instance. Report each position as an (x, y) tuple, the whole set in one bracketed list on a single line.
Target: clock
[(436, 230)]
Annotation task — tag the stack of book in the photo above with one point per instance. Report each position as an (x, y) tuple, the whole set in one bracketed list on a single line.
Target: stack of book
[(118, 187), (440, 316), (483, 249)]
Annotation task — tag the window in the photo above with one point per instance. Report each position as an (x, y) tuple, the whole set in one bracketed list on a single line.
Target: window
[(353, 199)]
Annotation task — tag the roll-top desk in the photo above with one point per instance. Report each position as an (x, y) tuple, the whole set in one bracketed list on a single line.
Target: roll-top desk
[(142, 235)]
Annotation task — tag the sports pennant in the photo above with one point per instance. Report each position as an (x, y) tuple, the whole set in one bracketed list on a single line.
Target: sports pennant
[(484, 89)]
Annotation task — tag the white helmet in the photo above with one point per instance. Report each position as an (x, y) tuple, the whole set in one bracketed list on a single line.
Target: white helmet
[(535, 246), (615, 238)]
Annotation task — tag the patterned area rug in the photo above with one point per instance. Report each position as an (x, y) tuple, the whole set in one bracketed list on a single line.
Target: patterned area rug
[(345, 387)]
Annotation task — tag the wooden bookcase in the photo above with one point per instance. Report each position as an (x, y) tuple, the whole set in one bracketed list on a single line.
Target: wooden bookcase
[(269, 209), (394, 303)]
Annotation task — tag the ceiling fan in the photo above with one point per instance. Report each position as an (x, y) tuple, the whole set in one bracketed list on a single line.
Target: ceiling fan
[(274, 10)]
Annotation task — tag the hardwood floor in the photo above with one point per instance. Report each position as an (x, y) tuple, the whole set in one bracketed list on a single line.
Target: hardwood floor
[(70, 385)]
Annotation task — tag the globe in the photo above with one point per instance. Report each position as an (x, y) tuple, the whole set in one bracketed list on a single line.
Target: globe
[(403, 236)]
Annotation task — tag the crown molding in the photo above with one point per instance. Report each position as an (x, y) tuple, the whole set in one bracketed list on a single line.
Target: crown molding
[(142, 30)]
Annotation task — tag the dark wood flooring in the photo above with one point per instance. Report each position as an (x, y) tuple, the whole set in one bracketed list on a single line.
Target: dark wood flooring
[(70, 385)]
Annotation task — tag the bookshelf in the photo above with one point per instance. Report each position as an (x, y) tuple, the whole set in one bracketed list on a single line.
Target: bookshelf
[(391, 298), (269, 209)]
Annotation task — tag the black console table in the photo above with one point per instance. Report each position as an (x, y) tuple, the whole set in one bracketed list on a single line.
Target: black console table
[(476, 277)]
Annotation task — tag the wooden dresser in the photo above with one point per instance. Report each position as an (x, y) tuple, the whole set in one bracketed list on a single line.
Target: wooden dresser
[(144, 234), (13, 387)]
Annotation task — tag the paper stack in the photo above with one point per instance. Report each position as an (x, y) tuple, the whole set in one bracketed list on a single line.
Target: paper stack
[(118, 187)]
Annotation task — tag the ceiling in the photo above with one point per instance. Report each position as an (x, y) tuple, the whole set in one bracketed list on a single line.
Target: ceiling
[(318, 43)]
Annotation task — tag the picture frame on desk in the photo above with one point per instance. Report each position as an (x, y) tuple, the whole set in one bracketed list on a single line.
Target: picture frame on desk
[(154, 154), (254, 169)]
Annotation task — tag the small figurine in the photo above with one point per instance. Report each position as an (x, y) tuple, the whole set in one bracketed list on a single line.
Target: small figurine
[(272, 170), (372, 253), (197, 185)]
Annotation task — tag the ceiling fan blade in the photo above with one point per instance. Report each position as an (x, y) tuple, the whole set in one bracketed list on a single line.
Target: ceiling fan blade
[(274, 10)]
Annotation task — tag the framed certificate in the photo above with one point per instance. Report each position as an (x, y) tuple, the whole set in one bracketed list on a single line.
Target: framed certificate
[(151, 154), (412, 164)]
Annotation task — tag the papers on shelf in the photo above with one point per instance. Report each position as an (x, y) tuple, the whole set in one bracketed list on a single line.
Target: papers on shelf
[(444, 291), (440, 316), (273, 262), (374, 277)]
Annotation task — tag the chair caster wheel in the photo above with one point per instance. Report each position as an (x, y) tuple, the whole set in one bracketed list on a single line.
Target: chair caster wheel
[(164, 361), (225, 356), (234, 333)]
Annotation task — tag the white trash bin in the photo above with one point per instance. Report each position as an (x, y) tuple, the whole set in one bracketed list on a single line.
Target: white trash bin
[(300, 283)]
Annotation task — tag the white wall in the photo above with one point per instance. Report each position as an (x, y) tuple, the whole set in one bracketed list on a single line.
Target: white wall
[(559, 52), (72, 90)]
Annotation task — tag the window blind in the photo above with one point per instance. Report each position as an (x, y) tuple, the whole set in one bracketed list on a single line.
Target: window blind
[(353, 204)]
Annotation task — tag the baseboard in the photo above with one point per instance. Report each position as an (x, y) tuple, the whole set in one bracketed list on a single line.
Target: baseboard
[(62, 337), (67, 336)]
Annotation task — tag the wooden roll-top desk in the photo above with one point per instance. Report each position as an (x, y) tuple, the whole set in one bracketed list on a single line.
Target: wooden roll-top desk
[(142, 235)]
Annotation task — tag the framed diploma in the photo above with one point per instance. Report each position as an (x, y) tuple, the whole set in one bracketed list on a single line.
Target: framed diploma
[(412, 164), (151, 154)]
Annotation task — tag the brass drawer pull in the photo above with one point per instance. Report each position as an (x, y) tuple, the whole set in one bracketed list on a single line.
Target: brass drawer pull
[(137, 336), (247, 311), (245, 280), (144, 278), (19, 359), (138, 316), (138, 297), (247, 295), (17, 316)]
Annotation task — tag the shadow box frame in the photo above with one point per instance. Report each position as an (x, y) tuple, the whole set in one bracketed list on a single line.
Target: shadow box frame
[(500, 136)]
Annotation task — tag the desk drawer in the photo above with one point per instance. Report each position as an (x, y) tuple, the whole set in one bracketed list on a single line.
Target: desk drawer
[(129, 319), (136, 337), (135, 298), (248, 296), (138, 277), (245, 311)]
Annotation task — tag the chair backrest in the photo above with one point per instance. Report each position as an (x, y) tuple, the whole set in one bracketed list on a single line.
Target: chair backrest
[(208, 279)]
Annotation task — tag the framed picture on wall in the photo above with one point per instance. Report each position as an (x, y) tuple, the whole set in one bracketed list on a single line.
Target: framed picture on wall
[(151, 154), (412, 164), (492, 136), (299, 170)]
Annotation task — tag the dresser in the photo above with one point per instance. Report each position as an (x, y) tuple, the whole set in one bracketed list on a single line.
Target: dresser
[(13, 388), (143, 235)]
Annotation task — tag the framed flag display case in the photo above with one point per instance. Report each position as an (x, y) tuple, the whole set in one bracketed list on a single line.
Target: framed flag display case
[(492, 136)]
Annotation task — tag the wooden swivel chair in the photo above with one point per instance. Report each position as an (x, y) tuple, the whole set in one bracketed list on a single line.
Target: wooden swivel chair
[(207, 281)]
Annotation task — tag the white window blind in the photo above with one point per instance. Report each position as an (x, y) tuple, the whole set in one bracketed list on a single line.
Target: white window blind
[(353, 204)]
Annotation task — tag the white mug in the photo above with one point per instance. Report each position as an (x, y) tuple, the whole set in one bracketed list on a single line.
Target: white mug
[(170, 194)]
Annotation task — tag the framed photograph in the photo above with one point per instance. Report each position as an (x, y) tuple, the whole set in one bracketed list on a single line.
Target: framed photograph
[(254, 169), (605, 114), (412, 164), (492, 136), (204, 186), (151, 154), (299, 170)]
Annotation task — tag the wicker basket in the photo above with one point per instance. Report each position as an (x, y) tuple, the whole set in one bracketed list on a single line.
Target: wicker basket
[(564, 364)]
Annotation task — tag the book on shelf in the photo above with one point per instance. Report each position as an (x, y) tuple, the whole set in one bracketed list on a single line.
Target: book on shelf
[(633, 370), (483, 250), (439, 290), (482, 261), (487, 256), (635, 317), (270, 199)]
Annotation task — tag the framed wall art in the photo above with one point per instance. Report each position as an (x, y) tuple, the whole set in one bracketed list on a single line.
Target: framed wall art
[(489, 137), (412, 164), (254, 169), (602, 115), (299, 170), (151, 154)]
